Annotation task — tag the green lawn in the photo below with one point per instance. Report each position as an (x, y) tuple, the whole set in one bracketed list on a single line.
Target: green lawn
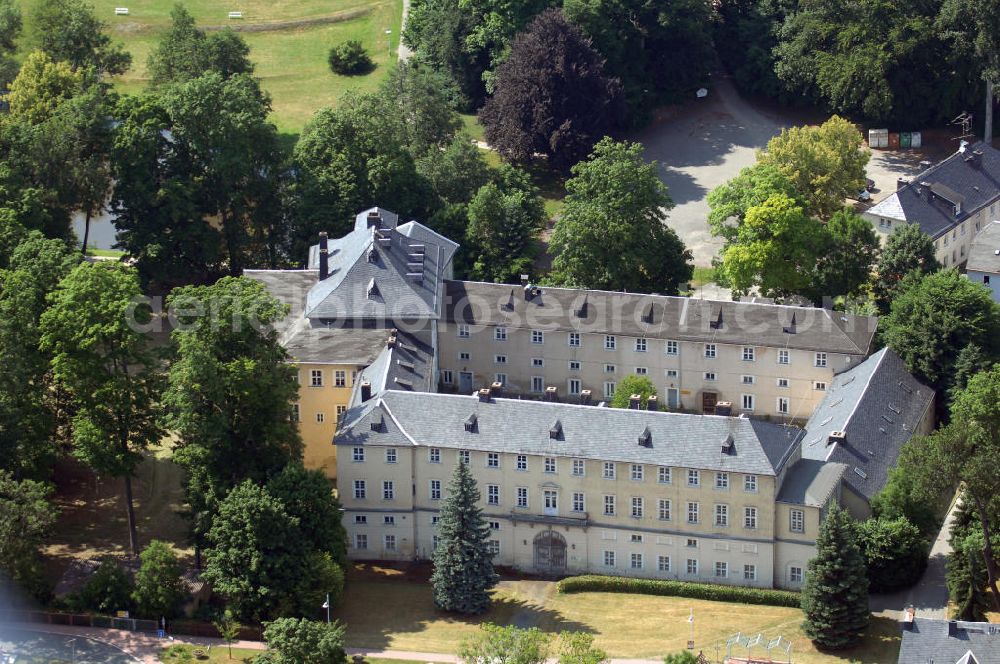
[(702, 276), (290, 57), (397, 613)]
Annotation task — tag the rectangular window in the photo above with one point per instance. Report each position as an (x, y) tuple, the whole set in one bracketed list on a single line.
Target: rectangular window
[(709, 350), (500, 378), (610, 342), (390, 455), (550, 465), (637, 507), (464, 456), (671, 347), (538, 361), (795, 574), (820, 359), (316, 378), (609, 390), (750, 518), (296, 413), (465, 356), (663, 563), (537, 337), (797, 521), (784, 357), (435, 489), (641, 371), (671, 373), (388, 490), (494, 525), (640, 345), (663, 509), (750, 483), (663, 475), (390, 542), (435, 520), (388, 520), (447, 376), (609, 558), (522, 461), (748, 402), (574, 365), (463, 331), (636, 561), (609, 470), (579, 468), (609, 505), (360, 490), (434, 455), (709, 375), (692, 566), (492, 460), (637, 472), (722, 481), (694, 478), (747, 380), (493, 547), (360, 519), (500, 334), (722, 516), (340, 378), (500, 359), (579, 505), (538, 384), (782, 405), (820, 386), (749, 572), (574, 386), (721, 570), (340, 411), (492, 494), (693, 509), (522, 497), (358, 454), (692, 543), (610, 368), (783, 382), (573, 339), (320, 417), (361, 541), (749, 354)]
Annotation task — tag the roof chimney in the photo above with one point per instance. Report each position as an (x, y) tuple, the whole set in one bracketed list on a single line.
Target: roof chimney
[(324, 257), (724, 408), (908, 614), (585, 396), (552, 393), (496, 389), (900, 183), (653, 403), (484, 395), (633, 401), (952, 628), (374, 219), (836, 437), (366, 391), (975, 158)]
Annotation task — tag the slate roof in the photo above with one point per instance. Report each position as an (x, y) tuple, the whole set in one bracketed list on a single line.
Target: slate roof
[(289, 287), (878, 404), (370, 268), (929, 199), (984, 254), (659, 316), (932, 640), (612, 434), (811, 482), (407, 366)]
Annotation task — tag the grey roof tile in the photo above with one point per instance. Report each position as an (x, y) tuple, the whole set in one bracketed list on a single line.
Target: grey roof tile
[(879, 405), (811, 482), (510, 425), (984, 254), (933, 641), (657, 316)]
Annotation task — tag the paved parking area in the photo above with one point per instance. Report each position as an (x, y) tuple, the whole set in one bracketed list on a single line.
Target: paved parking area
[(26, 645)]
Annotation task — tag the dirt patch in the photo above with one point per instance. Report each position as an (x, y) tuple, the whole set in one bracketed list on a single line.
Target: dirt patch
[(290, 24)]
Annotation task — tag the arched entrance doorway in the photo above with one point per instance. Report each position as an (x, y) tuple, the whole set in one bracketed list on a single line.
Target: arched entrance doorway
[(550, 552)]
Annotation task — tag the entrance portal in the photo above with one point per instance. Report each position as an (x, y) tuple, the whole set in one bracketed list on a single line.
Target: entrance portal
[(550, 552)]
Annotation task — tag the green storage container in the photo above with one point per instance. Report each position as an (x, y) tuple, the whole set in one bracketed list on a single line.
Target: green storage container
[(904, 140)]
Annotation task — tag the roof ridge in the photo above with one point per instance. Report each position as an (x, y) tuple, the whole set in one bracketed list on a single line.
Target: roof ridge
[(864, 391)]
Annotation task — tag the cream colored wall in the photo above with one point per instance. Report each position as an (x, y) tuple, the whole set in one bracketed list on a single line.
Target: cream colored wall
[(794, 549), (690, 364), (318, 436), (733, 544), (951, 248)]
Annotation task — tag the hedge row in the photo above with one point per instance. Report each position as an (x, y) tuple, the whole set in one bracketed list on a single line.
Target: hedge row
[(710, 591)]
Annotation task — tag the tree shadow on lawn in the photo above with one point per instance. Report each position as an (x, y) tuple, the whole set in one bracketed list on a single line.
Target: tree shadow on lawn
[(880, 645), (397, 612)]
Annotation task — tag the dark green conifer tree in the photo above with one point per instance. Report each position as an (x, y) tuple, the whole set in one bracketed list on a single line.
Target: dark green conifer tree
[(463, 565), (967, 579), (835, 596)]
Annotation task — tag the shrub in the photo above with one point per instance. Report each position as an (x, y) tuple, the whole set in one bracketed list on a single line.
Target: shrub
[(109, 589), (895, 552), (709, 591), (159, 590), (350, 59)]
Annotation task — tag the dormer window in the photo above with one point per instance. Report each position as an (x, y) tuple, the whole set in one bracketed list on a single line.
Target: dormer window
[(471, 423)]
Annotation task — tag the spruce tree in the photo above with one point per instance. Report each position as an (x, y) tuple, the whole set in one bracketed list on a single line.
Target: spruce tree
[(966, 577), (463, 566), (835, 596)]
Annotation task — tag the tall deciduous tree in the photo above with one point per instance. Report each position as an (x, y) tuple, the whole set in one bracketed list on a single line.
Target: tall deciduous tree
[(68, 30), (835, 596), (630, 385), (505, 218), (308, 496), (907, 250), (728, 203), (185, 52), (10, 28), (438, 31), (612, 234), (463, 566), (159, 589), (41, 86), (230, 390), (825, 164), (551, 95), (934, 319), (26, 517), (101, 359), (845, 265)]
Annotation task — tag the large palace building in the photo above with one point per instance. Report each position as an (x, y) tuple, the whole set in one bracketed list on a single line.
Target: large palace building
[(764, 415)]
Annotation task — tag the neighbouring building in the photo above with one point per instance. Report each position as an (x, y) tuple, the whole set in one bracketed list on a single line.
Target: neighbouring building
[(983, 266), (948, 642), (951, 201)]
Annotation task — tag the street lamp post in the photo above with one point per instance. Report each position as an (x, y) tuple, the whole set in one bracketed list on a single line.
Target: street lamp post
[(72, 643), (388, 40)]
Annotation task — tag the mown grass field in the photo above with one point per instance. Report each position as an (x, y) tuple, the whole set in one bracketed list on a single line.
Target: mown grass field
[(289, 41)]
